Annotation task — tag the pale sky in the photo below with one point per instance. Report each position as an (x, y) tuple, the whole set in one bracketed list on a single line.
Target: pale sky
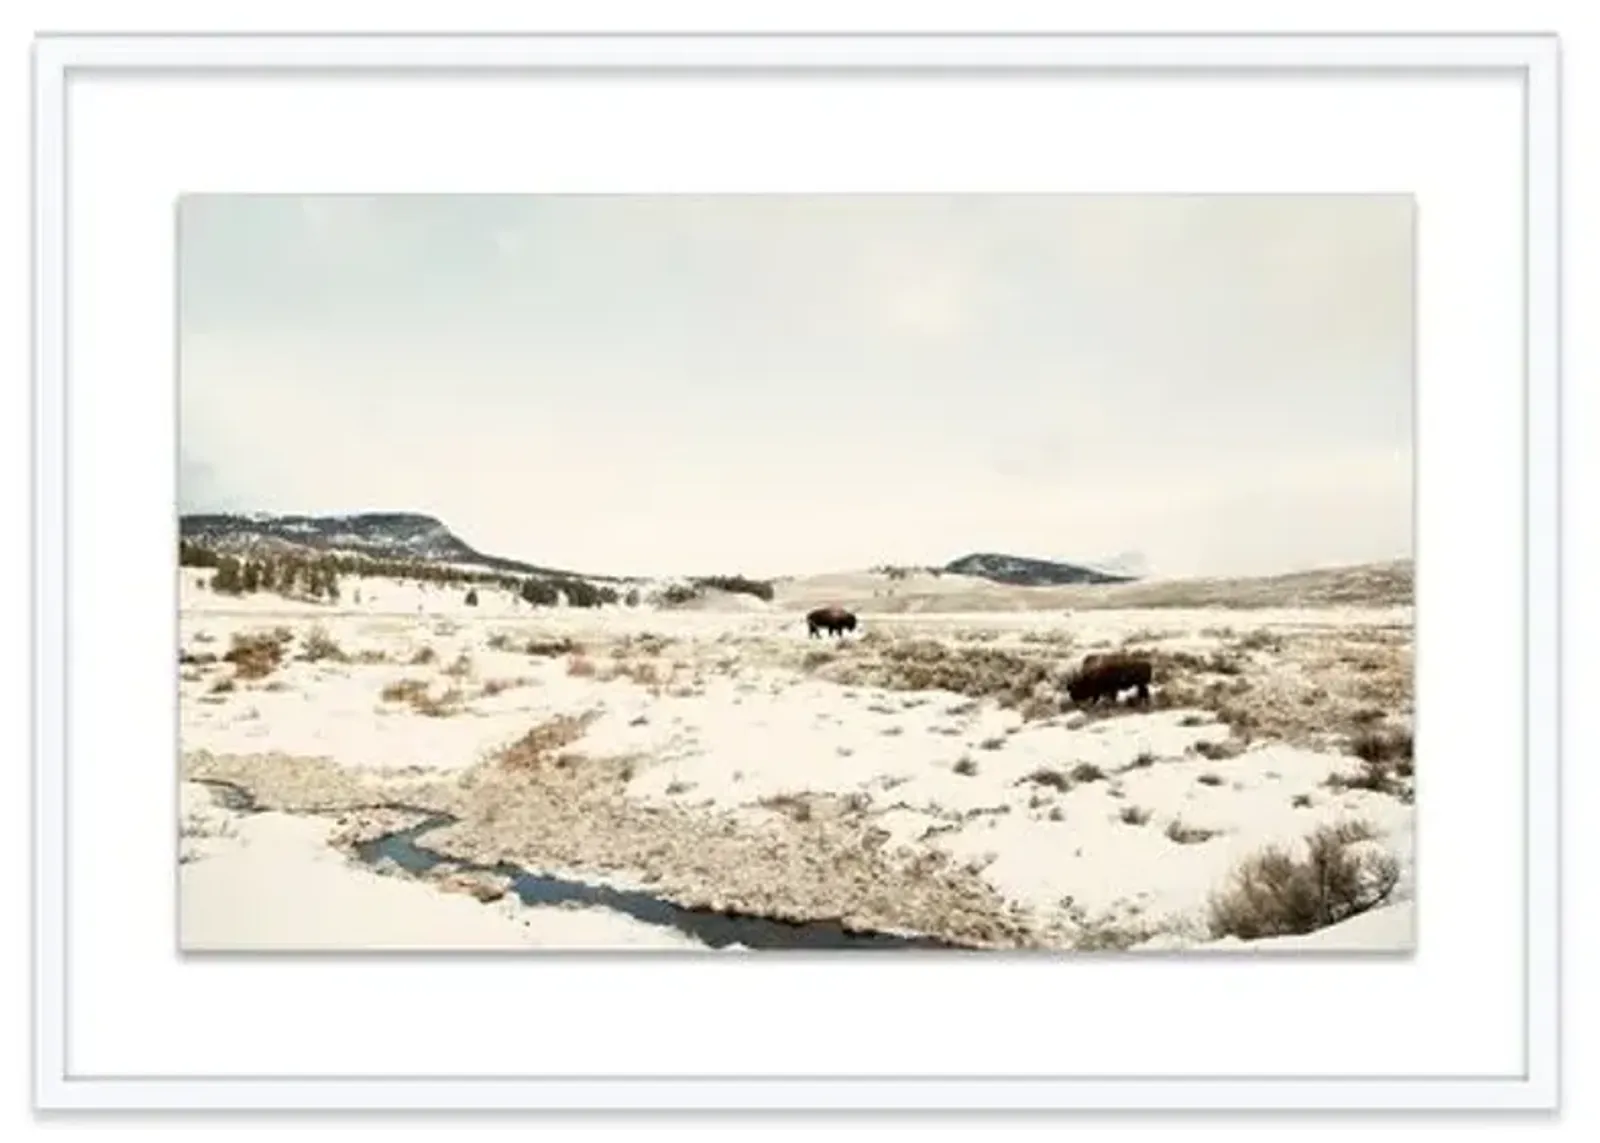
[(782, 385)]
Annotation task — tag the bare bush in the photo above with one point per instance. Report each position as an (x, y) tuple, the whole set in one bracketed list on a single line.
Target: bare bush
[(1279, 893), (255, 655), (415, 693), (318, 646), (540, 744), (550, 648), (1219, 751), (1386, 765), (1016, 681), (1055, 779), (1180, 834)]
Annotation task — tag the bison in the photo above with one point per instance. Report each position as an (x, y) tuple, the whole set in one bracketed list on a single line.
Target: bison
[(1107, 676), (833, 620)]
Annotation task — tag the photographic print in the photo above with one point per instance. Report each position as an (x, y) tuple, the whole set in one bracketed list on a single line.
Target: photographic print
[(796, 572)]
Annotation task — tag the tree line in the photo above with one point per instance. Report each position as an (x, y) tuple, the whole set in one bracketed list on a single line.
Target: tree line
[(317, 576)]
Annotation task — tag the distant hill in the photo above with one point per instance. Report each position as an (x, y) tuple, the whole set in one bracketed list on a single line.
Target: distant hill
[(1023, 571), (402, 536)]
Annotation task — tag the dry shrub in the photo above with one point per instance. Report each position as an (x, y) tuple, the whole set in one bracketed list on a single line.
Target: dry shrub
[(1375, 746), (319, 646), (538, 745), (816, 658), (1134, 815), (403, 690), (1037, 708), (414, 692), (255, 655), (423, 656), (1279, 893), (1044, 776), (794, 806), (1219, 751), (1172, 664), (551, 648), (581, 666), (646, 674), (492, 687), (500, 641), (1386, 766), (966, 766), (1259, 641), (642, 643), (461, 668), (1087, 772), (223, 686), (1180, 834), (1014, 680), (1209, 779)]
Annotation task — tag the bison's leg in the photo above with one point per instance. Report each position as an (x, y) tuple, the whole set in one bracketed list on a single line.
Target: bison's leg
[(1144, 694)]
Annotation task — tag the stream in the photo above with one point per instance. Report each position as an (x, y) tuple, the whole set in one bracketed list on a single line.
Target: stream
[(712, 928)]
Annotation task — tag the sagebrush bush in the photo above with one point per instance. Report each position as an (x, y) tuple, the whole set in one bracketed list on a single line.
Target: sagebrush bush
[(255, 655), (414, 692), (1276, 892), (1386, 765), (1181, 834), (537, 746), (319, 646), (550, 648)]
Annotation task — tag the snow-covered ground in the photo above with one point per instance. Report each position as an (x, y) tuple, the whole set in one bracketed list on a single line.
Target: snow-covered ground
[(271, 881), (734, 721)]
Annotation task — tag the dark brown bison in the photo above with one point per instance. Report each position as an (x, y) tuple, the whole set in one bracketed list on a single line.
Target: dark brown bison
[(1107, 676), (833, 620)]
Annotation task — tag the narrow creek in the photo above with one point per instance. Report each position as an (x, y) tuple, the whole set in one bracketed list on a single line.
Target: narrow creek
[(712, 928)]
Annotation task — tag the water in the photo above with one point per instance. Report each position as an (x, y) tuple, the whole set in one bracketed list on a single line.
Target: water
[(711, 927)]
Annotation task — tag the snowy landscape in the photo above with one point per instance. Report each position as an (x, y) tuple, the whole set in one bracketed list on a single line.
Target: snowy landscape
[(763, 572), (643, 771)]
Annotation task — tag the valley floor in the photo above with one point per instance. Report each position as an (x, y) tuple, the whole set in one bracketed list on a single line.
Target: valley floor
[(918, 778)]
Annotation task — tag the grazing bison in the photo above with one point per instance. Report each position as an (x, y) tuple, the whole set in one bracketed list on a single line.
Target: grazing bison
[(1107, 676), (833, 620)]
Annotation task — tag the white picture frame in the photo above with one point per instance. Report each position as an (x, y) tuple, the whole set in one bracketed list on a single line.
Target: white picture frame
[(71, 1075)]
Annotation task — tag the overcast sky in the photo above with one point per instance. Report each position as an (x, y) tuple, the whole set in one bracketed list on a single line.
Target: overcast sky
[(781, 385)]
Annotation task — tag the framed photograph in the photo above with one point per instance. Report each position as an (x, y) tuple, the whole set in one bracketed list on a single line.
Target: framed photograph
[(781, 572)]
